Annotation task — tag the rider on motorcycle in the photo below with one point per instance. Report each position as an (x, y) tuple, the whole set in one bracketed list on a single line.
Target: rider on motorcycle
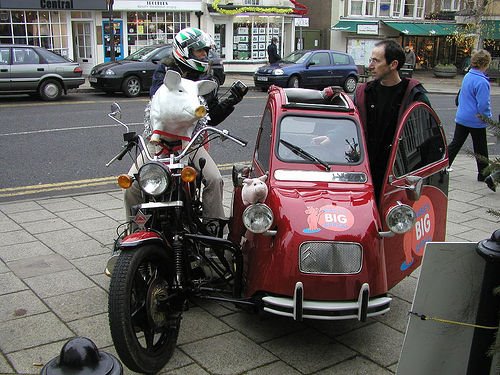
[(190, 60)]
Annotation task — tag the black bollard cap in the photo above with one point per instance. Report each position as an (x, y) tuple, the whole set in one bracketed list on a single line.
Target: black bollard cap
[(80, 356), (490, 249)]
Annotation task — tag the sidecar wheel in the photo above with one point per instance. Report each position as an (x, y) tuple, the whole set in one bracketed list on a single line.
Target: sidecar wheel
[(144, 334)]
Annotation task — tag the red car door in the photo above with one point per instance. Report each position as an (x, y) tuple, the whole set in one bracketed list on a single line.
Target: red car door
[(419, 159)]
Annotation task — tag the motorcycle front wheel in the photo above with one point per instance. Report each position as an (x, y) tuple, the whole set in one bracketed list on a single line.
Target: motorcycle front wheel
[(144, 314)]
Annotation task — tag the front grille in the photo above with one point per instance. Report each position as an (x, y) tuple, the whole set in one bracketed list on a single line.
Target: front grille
[(330, 257)]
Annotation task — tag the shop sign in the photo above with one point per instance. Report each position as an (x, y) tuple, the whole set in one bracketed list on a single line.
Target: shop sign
[(367, 29), (302, 22), (54, 4), (189, 5)]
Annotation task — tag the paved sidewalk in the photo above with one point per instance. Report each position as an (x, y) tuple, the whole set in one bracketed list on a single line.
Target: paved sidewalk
[(53, 253)]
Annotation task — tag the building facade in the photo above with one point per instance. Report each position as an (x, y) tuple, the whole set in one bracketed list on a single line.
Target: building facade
[(80, 29)]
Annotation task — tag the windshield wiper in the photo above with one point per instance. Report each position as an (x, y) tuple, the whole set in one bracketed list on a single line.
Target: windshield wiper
[(304, 154)]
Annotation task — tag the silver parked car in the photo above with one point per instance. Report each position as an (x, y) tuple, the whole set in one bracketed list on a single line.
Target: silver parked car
[(35, 70)]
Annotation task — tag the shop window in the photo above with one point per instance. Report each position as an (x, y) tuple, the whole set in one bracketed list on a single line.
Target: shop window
[(252, 38), (47, 29), (146, 28), (220, 39)]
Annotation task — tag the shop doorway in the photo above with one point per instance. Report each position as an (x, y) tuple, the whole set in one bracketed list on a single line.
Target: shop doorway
[(83, 45)]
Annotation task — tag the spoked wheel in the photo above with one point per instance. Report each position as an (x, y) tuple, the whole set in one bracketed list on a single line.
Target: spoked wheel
[(144, 315)]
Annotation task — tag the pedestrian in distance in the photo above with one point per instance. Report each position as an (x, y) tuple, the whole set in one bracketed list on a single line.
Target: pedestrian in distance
[(410, 58), (474, 100), (272, 51)]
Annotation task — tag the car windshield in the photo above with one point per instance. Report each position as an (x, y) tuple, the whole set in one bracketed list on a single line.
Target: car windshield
[(297, 57), (142, 54), (334, 141)]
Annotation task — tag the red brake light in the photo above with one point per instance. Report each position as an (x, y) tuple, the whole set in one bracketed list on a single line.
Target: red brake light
[(78, 70)]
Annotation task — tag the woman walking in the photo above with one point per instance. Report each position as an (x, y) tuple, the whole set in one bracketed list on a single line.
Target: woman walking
[(473, 100)]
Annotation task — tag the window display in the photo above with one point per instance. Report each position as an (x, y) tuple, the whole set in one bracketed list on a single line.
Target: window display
[(250, 38), (146, 28)]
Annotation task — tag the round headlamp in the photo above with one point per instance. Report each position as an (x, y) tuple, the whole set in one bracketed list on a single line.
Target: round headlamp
[(401, 218), (278, 72), (155, 178), (258, 218)]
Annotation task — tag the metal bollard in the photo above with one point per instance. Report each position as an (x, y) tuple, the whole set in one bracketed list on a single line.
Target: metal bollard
[(489, 307), (80, 356)]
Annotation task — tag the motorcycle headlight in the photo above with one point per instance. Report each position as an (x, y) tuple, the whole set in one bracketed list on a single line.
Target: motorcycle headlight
[(278, 72), (401, 218), (258, 218), (155, 178)]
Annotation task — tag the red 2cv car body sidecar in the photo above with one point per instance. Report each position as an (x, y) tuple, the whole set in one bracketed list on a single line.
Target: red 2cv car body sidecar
[(333, 250)]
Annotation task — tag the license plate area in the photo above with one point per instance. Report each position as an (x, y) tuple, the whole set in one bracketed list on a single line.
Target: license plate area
[(260, 78), (92, 79)]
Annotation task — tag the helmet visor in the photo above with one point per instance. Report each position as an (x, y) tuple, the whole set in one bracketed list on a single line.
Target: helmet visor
[(202, 41)]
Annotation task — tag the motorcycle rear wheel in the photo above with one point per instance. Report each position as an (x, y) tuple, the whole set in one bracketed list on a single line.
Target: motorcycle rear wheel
[(144, 335)]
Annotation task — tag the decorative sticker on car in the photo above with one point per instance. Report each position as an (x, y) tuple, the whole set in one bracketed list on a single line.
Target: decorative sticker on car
[(414, 241), (330, 217)]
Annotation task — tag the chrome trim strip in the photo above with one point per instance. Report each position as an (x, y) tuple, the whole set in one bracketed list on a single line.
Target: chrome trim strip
[(320, 176), (162, 204)]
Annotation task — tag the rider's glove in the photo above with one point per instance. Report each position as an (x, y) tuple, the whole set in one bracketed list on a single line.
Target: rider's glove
[(238, 91)]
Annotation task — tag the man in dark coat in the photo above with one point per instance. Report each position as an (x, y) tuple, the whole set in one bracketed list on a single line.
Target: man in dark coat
[(272, 51)]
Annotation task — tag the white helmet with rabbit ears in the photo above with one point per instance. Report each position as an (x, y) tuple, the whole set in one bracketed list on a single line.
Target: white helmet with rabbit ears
[(188, 40)]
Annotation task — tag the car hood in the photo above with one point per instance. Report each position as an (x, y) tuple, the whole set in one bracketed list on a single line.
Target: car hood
[(112, 64), (280, 65)]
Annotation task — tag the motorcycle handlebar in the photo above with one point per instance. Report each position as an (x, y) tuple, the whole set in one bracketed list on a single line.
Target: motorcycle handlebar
[(140, 141)]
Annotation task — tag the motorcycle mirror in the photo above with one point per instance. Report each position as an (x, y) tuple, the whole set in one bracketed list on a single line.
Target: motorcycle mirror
[(116, 114)]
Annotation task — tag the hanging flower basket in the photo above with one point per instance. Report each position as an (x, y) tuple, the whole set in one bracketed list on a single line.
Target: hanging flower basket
[(445, 71)]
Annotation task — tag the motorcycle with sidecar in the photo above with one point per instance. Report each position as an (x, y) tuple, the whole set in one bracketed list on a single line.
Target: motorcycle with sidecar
[(319, 245)]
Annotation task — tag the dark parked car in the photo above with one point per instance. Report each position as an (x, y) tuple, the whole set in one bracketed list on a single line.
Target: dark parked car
[(133, 74), (310, 69), (35, 70)]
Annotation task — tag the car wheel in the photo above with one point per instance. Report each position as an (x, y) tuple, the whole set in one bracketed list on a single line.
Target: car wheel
[(131, 86), (294, 81), (50, 90), (350, 84)]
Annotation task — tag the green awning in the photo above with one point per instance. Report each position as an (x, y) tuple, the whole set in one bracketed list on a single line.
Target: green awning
[(491, 29), (422, 29), (351, 26)]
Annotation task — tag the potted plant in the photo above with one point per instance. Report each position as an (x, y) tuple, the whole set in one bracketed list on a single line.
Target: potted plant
[(445, 70)]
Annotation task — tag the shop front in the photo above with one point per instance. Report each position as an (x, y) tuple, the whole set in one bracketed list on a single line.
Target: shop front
[(65, 27), (428, 40)]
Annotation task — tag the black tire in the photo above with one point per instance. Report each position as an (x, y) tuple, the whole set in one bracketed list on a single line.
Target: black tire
[(50, 90), (350, 84), (144, 337), (132, 86), (294, 81)]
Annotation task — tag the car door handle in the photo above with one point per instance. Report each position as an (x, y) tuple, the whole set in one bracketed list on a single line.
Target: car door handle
[(4, 70), (40, 69)]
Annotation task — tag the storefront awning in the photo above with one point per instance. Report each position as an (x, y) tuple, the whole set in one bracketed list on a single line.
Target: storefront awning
[(351, 26), (491, 29), (422, 29)]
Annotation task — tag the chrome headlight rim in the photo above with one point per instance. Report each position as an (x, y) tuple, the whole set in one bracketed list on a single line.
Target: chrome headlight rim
[(400, 218), (155, 178), (258, 211)]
